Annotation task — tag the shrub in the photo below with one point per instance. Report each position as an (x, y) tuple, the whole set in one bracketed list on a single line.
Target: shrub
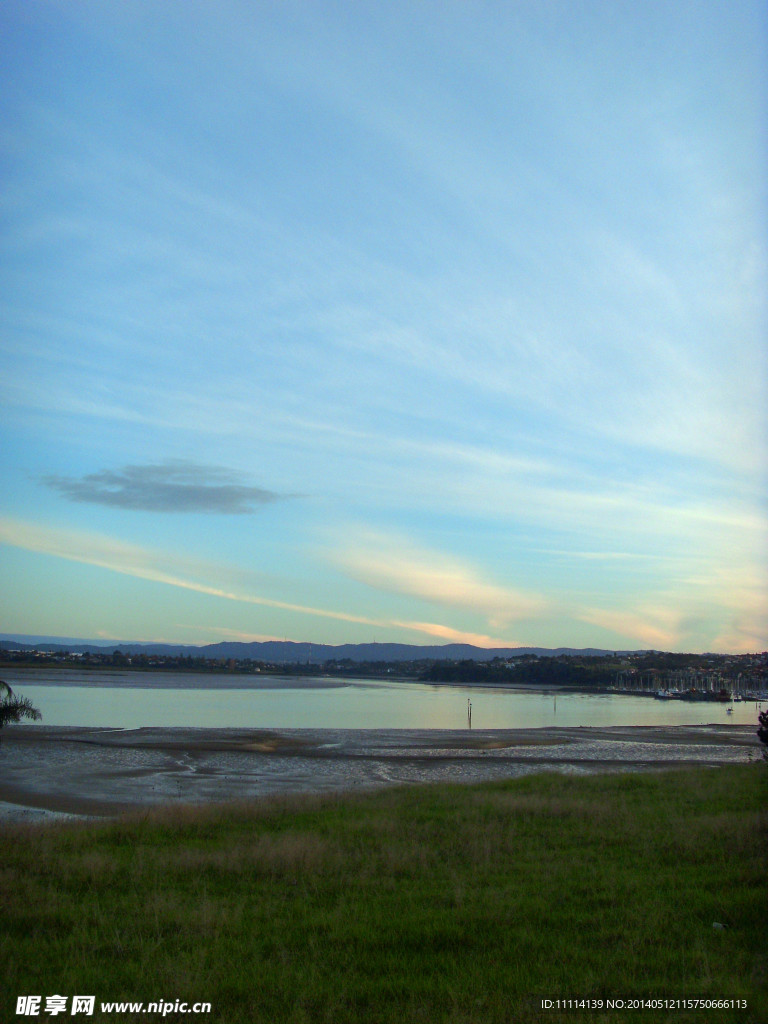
[(13, 708), (762, 731)]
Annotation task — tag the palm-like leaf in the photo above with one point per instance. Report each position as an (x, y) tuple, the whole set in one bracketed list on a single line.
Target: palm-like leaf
[(13, 709)]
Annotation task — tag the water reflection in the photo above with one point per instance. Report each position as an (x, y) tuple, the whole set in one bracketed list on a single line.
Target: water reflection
[(127, 700)]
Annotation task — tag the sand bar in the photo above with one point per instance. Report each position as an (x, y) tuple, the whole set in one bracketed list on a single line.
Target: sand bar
[(46, 770)]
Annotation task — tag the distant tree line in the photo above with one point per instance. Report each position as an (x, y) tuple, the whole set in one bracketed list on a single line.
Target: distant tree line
[(528, 669), (578, 670), (592, 671)]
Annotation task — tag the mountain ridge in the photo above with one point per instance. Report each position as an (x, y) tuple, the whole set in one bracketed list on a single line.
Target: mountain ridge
[(292, 652)]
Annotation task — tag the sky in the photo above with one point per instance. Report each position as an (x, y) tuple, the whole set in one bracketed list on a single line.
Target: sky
[(385, 321)]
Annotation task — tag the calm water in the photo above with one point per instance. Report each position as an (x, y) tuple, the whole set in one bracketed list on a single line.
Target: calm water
[(132, 700)]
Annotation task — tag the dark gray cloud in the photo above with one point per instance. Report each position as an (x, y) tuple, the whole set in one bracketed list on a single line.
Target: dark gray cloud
[(172, 486)]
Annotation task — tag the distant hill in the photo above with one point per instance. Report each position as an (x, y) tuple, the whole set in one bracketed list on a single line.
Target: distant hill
[(288, 652)]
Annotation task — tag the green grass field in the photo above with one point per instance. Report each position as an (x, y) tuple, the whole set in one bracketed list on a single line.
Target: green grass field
[(422, 904)]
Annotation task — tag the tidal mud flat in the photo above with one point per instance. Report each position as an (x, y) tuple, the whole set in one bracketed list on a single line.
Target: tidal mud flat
[(63, 770)]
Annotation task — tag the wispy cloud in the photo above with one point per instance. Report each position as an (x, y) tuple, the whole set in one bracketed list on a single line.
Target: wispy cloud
[(172, 486), (239, 636), (707, 607), (182, 571), (657, 629), (193, 574), (395, 565), (458, 636), (744, 619)]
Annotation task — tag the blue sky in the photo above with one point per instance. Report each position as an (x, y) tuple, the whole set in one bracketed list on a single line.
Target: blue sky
[(382, 321)]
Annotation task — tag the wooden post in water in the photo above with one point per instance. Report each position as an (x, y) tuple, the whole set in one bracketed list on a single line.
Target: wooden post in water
[(469, 713)]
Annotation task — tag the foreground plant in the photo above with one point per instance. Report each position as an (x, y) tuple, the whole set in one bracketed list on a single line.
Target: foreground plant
[(13, 708)]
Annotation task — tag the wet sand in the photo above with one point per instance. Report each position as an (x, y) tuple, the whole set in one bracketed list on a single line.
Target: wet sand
[(48, 771)]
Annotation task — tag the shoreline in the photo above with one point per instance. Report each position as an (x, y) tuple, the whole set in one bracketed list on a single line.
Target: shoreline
[(55, 771), (220, 678)]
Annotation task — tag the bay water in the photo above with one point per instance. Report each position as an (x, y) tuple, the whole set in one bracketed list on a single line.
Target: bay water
[(131, 700)]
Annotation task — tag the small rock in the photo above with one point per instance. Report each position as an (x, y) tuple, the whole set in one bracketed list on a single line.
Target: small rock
[(717, 926)]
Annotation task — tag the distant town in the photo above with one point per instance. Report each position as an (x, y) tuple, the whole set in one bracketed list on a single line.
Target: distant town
[(657, 673)]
